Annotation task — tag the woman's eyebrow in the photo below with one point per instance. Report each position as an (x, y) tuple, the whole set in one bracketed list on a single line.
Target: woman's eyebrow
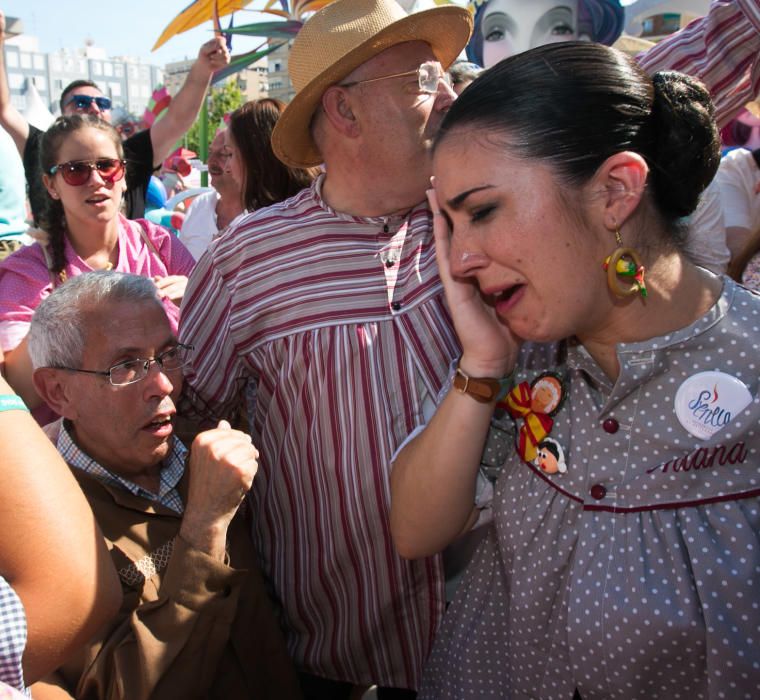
[(456, 202)]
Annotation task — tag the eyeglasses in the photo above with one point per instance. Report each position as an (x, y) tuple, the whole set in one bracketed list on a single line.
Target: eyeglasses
[(429, 74), (84, 102), (77, 172), (133, 371)]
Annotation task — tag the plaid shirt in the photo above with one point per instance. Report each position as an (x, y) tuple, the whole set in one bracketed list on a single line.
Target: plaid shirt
[(171, 472), (12, 636)]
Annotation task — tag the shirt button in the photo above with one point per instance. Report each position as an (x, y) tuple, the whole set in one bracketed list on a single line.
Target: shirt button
[(610, 426), (598, 492), (396, 306), (389, 262)]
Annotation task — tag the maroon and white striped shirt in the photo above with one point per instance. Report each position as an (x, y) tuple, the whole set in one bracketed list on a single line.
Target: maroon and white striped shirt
[(340, 321), (721, 50)]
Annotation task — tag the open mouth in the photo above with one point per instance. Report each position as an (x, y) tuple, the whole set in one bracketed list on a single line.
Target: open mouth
[(161, 426), (505, 299), (98, 199)]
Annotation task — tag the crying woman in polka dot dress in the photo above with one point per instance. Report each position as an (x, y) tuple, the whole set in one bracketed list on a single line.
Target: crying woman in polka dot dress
[(623, 558)]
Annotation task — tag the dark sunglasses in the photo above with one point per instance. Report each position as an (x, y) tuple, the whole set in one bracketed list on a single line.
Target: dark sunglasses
[(85, 102), (77, 172)]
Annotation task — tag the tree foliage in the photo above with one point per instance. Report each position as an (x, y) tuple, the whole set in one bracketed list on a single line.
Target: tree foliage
[(221, 101)]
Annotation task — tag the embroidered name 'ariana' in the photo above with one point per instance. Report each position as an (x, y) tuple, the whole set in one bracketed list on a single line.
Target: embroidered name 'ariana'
[(704, 458)]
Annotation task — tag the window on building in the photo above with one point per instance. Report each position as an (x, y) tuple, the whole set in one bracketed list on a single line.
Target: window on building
[(15, 81), (11, 59), (115, 89), (39, 61), (118, 70), (26, 60), (108, 69), (97, 69)]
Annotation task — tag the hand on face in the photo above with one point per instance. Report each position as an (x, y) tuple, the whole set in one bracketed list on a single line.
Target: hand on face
[(222, 466), (214, 54), (489, 348)]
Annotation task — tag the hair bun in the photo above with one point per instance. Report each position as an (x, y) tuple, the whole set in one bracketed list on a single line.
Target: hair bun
[(686, 143)]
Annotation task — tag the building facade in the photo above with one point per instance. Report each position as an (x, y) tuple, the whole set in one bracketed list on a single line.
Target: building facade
[(126, 80)]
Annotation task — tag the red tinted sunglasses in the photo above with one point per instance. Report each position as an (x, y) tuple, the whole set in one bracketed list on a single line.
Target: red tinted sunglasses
[(77, 172)]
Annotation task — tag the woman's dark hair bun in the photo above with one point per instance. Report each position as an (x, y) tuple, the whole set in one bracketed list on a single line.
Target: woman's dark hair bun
[(685, 142)]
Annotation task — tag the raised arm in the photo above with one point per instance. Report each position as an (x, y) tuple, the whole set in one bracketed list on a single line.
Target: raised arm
[(52, 552), (185, 105), (171, 646), (434, 475), (10, 118)]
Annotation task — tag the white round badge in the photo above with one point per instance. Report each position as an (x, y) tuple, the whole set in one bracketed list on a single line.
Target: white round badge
[(707, 402)]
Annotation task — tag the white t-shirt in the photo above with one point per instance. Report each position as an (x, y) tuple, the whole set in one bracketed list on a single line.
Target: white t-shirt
[(706, 243), (199, 226), (738, 175)]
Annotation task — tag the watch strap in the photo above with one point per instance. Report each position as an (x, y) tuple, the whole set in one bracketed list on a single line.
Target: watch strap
[(482, 389)]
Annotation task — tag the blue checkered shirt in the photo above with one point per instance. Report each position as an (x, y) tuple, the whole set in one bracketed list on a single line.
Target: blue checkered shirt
[(171, 471), (12, 636)]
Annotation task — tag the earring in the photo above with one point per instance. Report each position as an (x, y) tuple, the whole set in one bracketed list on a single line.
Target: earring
[(624, 262)]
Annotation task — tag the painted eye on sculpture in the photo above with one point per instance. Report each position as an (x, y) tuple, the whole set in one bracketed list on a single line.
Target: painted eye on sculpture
[(497, 26), (495, 35), (562, 30)]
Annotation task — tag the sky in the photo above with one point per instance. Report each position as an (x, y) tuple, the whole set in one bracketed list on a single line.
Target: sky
[(129, 27)]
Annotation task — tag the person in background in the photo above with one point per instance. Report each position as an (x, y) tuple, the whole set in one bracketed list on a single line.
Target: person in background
[(57, 583), (83, 165), (13, 224), (212, 212), (462, 73), (145, 151), (196, 621), (263, 178), (739, 181), (623, 553)]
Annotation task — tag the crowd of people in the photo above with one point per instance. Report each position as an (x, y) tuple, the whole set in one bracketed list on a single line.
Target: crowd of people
[(447, 388)]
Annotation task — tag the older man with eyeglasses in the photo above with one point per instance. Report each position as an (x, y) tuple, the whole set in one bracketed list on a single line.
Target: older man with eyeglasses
[(196, 621), (145, 151)]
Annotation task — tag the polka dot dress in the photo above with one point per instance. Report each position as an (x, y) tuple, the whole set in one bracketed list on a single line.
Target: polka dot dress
[(635, 574)]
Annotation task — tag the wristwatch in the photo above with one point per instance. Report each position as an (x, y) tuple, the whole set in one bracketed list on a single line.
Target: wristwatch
[(482, 389)]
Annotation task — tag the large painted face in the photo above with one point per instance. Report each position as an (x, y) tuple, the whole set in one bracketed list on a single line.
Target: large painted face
[(511, 26)]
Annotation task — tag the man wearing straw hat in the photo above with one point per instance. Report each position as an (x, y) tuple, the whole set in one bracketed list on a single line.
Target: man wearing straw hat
[(332, 302), (330, 306)]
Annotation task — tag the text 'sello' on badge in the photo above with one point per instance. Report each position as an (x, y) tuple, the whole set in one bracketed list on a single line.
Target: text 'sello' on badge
[(707, 402)]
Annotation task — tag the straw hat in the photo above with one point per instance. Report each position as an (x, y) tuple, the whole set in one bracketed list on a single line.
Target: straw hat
[(337, 40)]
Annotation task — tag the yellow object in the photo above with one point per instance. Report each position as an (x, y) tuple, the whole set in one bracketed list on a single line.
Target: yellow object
[(197, 13)]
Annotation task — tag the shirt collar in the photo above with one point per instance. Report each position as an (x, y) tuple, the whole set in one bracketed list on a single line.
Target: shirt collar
[(171, 471)]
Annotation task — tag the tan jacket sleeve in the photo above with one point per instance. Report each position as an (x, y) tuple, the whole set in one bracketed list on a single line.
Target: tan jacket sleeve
[(169, 647)]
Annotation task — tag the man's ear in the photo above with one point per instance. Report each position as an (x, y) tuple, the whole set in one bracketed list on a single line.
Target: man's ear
[(48, 182), (338, 109), (54, 388), (622, 177)]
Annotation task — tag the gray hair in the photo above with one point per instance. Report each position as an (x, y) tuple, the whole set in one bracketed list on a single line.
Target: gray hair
[(57, 333)]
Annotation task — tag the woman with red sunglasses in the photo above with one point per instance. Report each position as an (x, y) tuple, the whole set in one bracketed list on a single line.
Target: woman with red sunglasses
[(83, 164)]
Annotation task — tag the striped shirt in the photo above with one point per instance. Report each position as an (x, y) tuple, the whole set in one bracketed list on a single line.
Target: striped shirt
[(340, 323), (721, 50), (171, 471)]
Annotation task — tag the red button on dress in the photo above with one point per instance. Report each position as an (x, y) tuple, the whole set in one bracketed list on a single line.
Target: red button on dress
[(610, 426), (598, 492)]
